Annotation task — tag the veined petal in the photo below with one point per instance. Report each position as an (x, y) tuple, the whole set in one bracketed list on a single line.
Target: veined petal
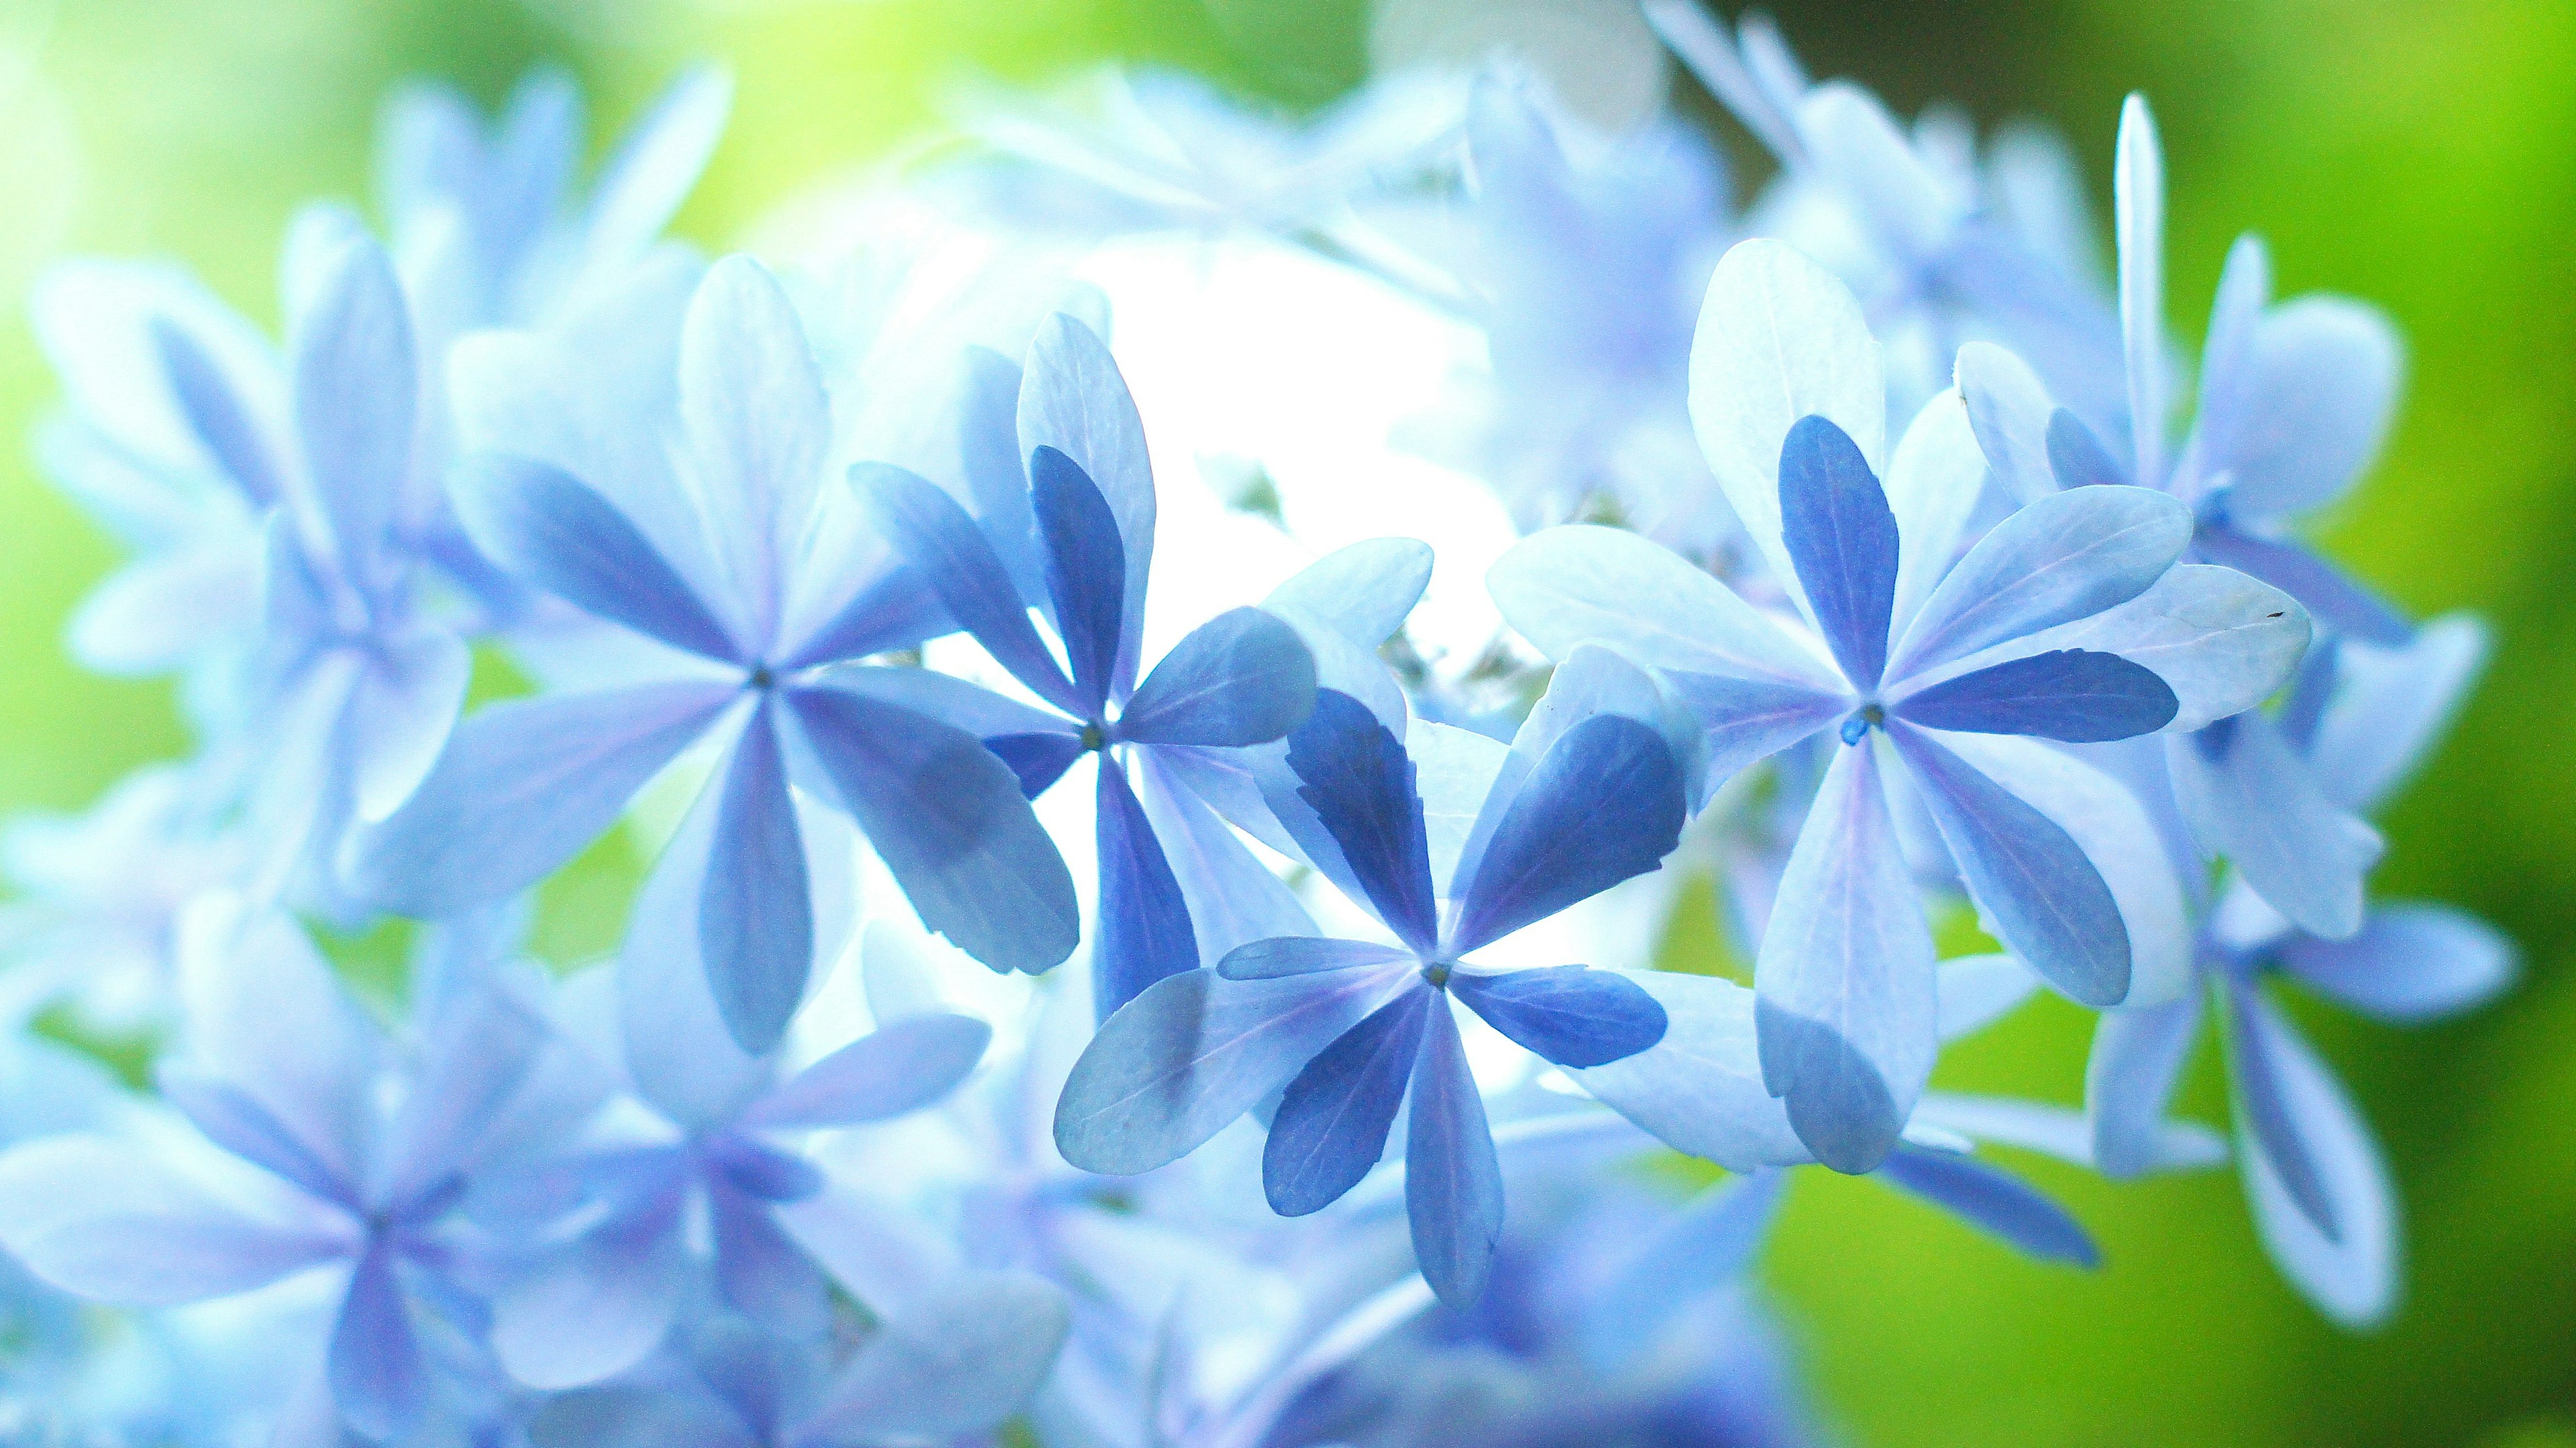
[(99, 1219), (1194, 1051), (1453, 1184), (1303, 955), (1143, 932), (2408, 963), (1072, 399), (1841, 537), (1359, 782), (2067, 556), (1847, 1016), (1933, 484), (949, 820), (755, 925), (2046, 901), (1241, 678), (1779, 339), (2220, 640), (1583, 584), (1571, 1015), (1333, 1118), (758, 424), (2340, 602), (1748, 720), (958, 562), (2129, 1081), (1604, 804), (1993, 1201), (2078, 695), (2319, 389), (2249, 798), (1699, 1089), (957, 1361), (520, 787), (1233, 897), (1362, 592), (2350, 1272), (1086, 570)]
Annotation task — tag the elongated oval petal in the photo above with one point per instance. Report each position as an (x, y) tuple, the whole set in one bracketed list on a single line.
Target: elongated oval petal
[(1303, 955), (1571, 1015), (1582, 584), (755, 927), (100, 1219), (1841, 536), (1699, 1089), (958, 562), (2129, 1082), (1993, 1201), (1333, 1118), (1453, 1183), (1241, 678), (2067, 556), (1072, 399), (2351, 1272), (2409, 963), (1359, 782), (1143, 932), (2077, 695), (1604, 805), (2319, 390), (902, 1066), (2249, 798), (1086, 570)]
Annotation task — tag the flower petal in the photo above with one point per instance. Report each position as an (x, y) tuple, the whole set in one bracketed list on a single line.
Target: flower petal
[(1604, 805), (379, 1380), (1143, 932), (2138, 206), (901, 1067), (1571, 1015), (2129, 1081), (755, 925), (1994, 1201), (2249, 798), (1453, 1183), (2319, 388), (954, 1363), (1699, 1089), (2067, 556), (596, 1308), (2409, 963), (2008, 408), (1841, 536), (2391, 705), (401, 710), (2339, 601), (758, 424), (2077, 695), (2220, 640), (958, 562), (656, 164), (1072, 399), (1582, 584), (1085, 570), (2350, 1273), (1332, 1122), (357, 395), (1360, 784), (1290, 955), (100, 1219), (1233, 897), (1934, 484), (1243, 677)]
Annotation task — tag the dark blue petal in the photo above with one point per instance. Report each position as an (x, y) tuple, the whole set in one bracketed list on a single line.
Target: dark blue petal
[(1333, 1119), (1603, 805), (2079, 695), (550, 529), (1453, 1185), (2255, 1057), (1302, 955), (1571, 1014), (1086, 570), (2049, 905), (1359, 782), (950, 823), (1144, 930), (378, 1381), (2337, 600), (2076, 456), (1841, 537), (755, 915), (1038, 759), (943, 542), (1243, 677), (1994, 1200)]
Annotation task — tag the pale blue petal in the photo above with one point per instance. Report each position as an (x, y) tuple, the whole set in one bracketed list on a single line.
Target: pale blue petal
[(1359, 782), (379, 1380), (2409, 963), (1584, 584), (2080, 696), (2352, 1275), (1978, 990), (634, 1417), (1332, 1122), (950, 700), (2250, 799), (680, 1054), (100, 1219), (234, 1120), (1703, 46), (1841, 537), (1234, 898), (901, 1067), (2009, 409), (474, 1060), (1699, 1090), (755, 927), (1085, 571), (958, 563), (1453, 1184), (401, 711), (1994, 1201), (657, 163), (1590, 682), (1362, 592), (2138, 205), (2257, 1048), (949, 820), (356, 398), (1847, 1014), (2067, 556), (1711, 1241), (1073, 399), (520, 788), (2077, 457), (758, 425), (2032, 882), (2222, 641), (760, 1270), (2226, 358), (596, 1308), (1570, 1015), (2342, 603), (957, 1361), (2319, 389), (1143, 931), (1854, 145), (1934, 484), (1605, 804), (1195, 1051), (1241, 678), (210, 400), (2391, 705), (1303, 955), (1748, 720)]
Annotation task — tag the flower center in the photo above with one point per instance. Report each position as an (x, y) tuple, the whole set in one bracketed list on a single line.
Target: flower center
[(1094, 737), (761, 678), (1437, 974), (1863, 719)]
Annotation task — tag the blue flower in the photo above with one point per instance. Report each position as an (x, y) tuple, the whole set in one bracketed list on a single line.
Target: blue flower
[(2313, 1174), (1079, 543), (1585, 799), (363, 1159), (749, 582), (2067, 621)]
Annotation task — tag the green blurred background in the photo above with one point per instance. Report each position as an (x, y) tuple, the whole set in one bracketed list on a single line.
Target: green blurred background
[(2419, 154)]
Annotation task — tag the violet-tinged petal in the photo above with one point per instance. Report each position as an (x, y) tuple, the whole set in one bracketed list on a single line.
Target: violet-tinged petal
[(2409, 963), (1193, 1052), (677, 1050), (901, 1067), (1846, 1013), (378, 1377), (1748, 720), (2226, 358), (598, 1305), (1604, 805), (356, 396), (2340, 601), (755, 927), (1243, 677), (2076, 456), (760, 1269), (2319, 388), (2129, 1081), (2351, 1274), (2390, 706), (1234, 898), (1841, 537), (235, 1120), (1143, 932), (1086, 570), (99, 1219), (1332, 1122), (2249, 798), (1453, 1183), (2257, 1045), (1933, 484), (1994, 1201), (949, 820), (2222, 641), (2080, 696), (1359, 782), (2138, 206), (657, 163), (1571, 1015), (216, 411), (1713, 1239), (2066, 556), (2046, 901), (1699, 1089), (759, 424), (1072, 399), (958, 562), (1290, 955), (520, 787), (402, 707), (1583, 584), (1037, 760)]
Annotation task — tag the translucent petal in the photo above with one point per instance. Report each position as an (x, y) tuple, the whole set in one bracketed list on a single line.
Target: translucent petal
[(1453, 1184)]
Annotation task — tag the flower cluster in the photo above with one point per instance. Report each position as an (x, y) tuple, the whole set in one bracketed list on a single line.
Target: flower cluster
[(1861, 567)]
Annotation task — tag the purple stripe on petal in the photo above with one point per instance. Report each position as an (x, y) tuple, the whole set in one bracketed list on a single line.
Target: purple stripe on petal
[(1333, 1119), (1303, 955), (2077, 695), (378, 1379), (1841, 537), (549, 529), (943, 542), (2255, 1052)]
